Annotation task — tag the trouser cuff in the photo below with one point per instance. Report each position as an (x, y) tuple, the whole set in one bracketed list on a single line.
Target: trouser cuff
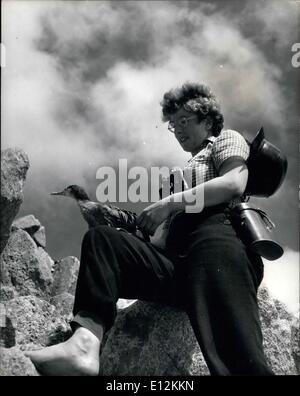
[(89, 321)]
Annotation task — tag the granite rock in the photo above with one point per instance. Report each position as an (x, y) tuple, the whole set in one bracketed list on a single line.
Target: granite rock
[(14, 167), (24, 267), (14, 363), (149, 339), (65, 275), (40, 237), (27, 223), (63, 303), (7, 293), (32, 320)]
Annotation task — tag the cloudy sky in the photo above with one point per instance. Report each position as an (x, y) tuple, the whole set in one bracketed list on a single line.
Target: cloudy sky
[(83, 81)]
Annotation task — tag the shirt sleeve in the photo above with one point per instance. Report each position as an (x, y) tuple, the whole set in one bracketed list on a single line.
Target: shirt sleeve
[(229, 144)]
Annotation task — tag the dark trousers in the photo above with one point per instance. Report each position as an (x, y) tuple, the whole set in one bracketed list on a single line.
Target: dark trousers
[(205, 270)]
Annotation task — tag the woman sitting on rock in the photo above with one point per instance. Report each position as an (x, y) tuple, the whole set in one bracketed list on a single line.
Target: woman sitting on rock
[(204, 267)]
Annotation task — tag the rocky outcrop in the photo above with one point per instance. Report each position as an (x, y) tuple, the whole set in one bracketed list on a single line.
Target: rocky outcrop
[(27, 223), (65, 277), (31, 315), (14, 166), (25, 267), (34, 228), (14, 363), (34, 311), (37, 296), (148, 339)]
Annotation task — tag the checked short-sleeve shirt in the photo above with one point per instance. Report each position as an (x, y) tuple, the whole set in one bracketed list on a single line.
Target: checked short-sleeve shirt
[(205, 165)]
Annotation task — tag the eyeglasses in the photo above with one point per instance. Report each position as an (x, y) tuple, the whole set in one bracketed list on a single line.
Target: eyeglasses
[(183, 122)]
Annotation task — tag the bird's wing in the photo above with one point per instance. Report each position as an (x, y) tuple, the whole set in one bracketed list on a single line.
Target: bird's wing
[(121, 217), (126, 219), (94, 214), (106, 214)]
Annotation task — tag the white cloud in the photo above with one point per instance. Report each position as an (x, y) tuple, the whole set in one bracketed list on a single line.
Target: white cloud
[(83, 81), (45, 84), (282, 279)]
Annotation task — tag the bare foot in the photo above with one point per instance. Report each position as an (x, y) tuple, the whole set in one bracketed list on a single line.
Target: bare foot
[(78, 356)]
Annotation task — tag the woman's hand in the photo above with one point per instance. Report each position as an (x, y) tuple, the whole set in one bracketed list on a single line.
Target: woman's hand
[(152, 216)]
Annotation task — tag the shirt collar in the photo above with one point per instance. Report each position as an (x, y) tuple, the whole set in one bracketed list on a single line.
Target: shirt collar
[(211, 139), (205, 142)]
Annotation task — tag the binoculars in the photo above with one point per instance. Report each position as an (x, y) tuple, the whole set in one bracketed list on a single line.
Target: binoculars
[(255, 230)]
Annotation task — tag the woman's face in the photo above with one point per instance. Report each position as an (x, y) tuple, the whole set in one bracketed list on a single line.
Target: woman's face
[(190, 134)]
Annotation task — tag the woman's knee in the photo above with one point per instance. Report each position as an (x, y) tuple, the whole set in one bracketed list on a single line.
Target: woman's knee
[(101, 230), (102, 240)]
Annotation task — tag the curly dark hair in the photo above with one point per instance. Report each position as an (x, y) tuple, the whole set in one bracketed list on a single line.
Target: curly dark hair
[(194, 98)]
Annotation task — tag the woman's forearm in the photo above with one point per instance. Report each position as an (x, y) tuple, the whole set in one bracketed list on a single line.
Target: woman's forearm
[(210, 193)]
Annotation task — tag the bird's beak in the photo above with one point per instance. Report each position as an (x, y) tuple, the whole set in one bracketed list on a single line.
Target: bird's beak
[(59, 193)]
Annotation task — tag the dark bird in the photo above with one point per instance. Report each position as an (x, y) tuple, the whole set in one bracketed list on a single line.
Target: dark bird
[(96, 214)]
